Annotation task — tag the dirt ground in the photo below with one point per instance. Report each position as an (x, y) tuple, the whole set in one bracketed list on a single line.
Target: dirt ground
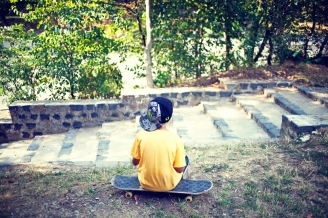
[(311, 75), (249, 180)]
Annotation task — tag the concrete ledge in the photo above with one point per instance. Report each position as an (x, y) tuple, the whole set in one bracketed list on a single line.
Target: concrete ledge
[(262, 121), (312, 95), (294, 125), (252, 86), (287, 105), (220, 124)]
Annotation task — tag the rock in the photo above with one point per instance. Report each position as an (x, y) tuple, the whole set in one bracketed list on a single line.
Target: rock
[(305, 138)]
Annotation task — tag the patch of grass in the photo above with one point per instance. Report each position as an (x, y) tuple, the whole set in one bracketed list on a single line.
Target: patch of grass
[(160, 213), (124, 169), (224, 194), (91, 191), (251, 189), (224, 202), (217, 168)]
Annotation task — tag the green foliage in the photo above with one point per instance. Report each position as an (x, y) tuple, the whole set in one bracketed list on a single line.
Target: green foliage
[(100, 80), (190, 38), (19, 75), (69, 57), (163, 79)]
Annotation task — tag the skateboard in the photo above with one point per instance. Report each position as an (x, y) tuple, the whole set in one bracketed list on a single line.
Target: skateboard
[(185, 186)]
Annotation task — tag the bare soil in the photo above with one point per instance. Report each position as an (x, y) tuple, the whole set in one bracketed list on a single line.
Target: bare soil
[(311, 75)]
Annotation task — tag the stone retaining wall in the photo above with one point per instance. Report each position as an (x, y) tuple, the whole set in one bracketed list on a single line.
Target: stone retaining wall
[(30, 119), (295, 125)]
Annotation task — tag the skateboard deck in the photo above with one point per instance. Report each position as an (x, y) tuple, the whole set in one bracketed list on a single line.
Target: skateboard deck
[(185, 186)]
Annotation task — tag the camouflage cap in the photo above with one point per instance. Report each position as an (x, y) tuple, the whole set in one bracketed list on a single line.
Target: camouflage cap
[(159, 111)]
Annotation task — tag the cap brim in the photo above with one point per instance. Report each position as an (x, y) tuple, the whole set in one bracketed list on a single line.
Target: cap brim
[(146, 124)]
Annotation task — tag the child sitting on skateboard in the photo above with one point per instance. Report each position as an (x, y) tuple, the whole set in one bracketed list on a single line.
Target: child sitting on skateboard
[(159, 154)]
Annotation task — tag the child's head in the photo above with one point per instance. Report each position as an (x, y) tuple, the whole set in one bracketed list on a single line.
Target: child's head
[(159, 112)]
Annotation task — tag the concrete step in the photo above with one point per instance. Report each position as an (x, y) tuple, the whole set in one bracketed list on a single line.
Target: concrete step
[(233, 122), (263, 111), (295, 102), (316, 94), (85, 146), (194, 127), (107, 145)]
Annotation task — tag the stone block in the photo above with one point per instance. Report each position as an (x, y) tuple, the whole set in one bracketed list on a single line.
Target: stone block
[(22, 116), (37, 133), (44, 117), (66, 125), (18, 126), (263, 85), (225, 94), (253, 85), (91, 107), (174, 95), (26, 108), (101, 107), (56, 116), (283, 84), (152, 95), (197, 94), (211, 94), (34, 116), (30, 125), (115, 114), (230, 86), (25, 135), (258, 117), (165, 95), (271, 84), (185, 94), (69, 116), (37, 108), (77, 124), (244, 86), (76, 107), (94, 115), (274, 133)]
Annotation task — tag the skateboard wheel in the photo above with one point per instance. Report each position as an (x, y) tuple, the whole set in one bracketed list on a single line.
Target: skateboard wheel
[(188, 199), (128, 194)]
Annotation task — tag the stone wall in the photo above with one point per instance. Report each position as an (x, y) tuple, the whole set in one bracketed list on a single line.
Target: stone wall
[(32, 118), (294, 126)]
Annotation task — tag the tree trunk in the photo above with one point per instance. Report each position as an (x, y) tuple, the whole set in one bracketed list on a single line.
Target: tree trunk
[(228, 49), (322, 46), (149, 75), (265, 39), (228, 30), (310, 34), (270, 52), (253, 34), (143, 37)]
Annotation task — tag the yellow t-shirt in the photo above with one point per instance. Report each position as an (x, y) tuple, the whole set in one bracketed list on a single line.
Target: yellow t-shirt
[(158, 151)]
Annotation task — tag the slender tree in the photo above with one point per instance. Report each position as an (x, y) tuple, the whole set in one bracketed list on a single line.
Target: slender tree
[(148, 47)]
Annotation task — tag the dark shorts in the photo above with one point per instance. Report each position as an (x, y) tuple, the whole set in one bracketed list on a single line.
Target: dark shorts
[(187, 163)]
